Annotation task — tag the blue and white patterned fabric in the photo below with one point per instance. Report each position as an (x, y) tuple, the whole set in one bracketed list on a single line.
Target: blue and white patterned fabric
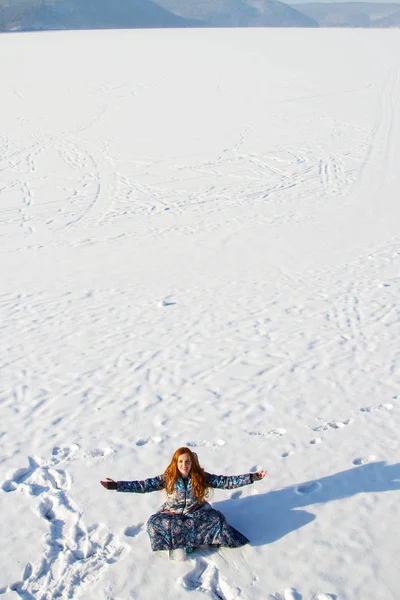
[(182, 522)]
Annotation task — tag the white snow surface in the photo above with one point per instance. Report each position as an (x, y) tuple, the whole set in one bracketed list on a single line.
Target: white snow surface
[(199, 237)]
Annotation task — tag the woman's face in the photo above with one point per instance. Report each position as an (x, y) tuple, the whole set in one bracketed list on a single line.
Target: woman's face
[(184, 464)]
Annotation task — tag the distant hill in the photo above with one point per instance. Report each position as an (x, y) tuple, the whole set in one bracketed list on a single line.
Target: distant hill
[(87, 14), (240, 13), (352, 14), (391, 20)]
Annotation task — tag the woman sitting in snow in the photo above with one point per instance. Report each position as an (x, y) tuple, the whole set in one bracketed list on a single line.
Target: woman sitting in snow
[(186, 520)]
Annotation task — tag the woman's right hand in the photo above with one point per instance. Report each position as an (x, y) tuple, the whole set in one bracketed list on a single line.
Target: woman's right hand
[(109, 484)]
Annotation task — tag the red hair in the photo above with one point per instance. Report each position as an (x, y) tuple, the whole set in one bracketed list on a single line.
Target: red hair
[(199, 481)]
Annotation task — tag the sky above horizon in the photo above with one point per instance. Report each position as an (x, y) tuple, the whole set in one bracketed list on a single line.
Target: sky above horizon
[(292, 2)]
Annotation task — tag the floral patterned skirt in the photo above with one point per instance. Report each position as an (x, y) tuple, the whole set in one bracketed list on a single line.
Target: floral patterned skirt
[(205, 527)]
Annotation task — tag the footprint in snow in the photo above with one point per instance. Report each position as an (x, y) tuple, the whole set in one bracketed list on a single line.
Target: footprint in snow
[(328, 425), (272, 432), (293, 594), (363, 460), (317, 440), (45, 509), (194, 579), (236, 495), (57, 479), (37, 477), (61, 454), (288, 594), (369, 409), (20, 475), (205, 444), (149, 440), (205, 577), (99, 453), (308, 488), (286, 454), (134, 530), (28, 570), (42, 475)]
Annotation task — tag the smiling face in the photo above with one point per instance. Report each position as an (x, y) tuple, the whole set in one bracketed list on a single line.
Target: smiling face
[(184, 464)]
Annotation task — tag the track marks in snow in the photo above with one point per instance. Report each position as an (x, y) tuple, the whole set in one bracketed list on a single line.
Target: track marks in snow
[(308, 488), (287, 454), (36, 478), (206, 444), (80, 193), (104, 176), (205, 577), (370, 409), (293, 594), (134, 530), (69, 562), (66, 454), (63, 454), (323, 428), (329, 425), (334, 425), (92, 188), (363, 460), (236, 495), (74, 554), (271, 433), (315, 441), (385, 143), (379, 168), (149, 440)]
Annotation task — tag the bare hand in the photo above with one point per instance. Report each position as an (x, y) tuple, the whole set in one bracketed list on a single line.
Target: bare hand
[(259, 475), (109, 484)]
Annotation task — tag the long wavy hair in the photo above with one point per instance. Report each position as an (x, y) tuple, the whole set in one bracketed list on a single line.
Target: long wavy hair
[(199, 481)]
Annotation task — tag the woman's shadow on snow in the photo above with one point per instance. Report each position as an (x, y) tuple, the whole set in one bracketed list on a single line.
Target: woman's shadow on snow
[(265, 518)]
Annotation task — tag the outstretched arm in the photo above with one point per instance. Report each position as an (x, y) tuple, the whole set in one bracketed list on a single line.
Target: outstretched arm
[(230, 482), (153, 484), (258, 475), (109, 484)]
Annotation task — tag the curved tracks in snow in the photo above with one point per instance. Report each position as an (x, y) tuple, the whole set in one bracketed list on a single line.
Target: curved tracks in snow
[(73, 554)]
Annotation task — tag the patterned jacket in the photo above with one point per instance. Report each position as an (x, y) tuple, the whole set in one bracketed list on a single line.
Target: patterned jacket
[(183, 499)]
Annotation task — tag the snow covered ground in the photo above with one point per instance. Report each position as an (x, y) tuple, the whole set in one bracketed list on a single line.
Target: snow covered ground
[(199, 237)]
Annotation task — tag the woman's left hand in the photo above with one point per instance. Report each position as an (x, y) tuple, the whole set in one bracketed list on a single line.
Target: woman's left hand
[(259, 475)]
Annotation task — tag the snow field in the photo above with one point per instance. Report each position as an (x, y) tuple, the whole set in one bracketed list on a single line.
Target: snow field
[(199, 241)]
